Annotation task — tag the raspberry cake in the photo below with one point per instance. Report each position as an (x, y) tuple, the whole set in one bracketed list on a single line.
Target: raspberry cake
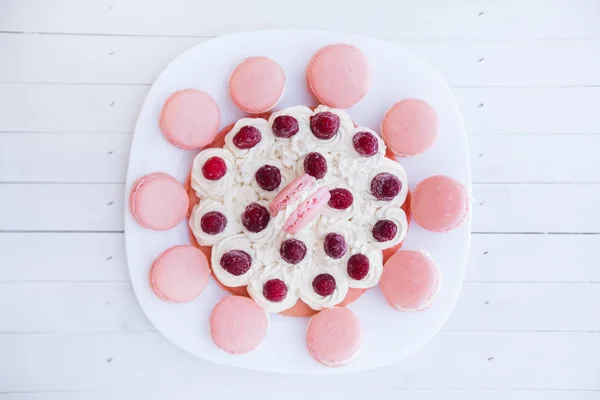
[(297, 210), (342, 208)]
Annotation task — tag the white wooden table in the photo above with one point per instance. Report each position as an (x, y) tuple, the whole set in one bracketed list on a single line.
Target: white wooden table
[(73, 75)]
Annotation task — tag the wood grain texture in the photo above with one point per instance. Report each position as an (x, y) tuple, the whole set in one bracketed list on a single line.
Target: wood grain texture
[(301, 394), (146, 361), (139, 60), (469, 19)]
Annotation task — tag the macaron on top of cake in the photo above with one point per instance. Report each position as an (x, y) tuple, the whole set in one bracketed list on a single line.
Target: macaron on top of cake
[(190, 119), (410, 127), (339, 75)]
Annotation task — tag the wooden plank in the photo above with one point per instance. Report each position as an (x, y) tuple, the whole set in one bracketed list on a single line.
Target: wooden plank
[(113, 307), (545, 208), (64, 157), (114, 108), (472, 19), (61, 207), (534, 258), (138, 60), (63, 257), (534, 158), (92, 257), (103, 157), (554, 208), (146, 361), (252, 393)]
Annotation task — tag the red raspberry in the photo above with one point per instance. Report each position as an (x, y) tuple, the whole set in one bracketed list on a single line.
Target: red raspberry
[(275, 290), (285, 126), (214, 168), (213, 222), (247, 137), (358, 266), (324, 284), (236, 262), (324, 125), (335, 245), (365, 144), (268, 177), (292, 251), (385, 186), (255, 217), (340, 199), (384, 230), (315, 165)]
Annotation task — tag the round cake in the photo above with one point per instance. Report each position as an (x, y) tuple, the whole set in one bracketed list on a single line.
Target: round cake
[(269, 177)]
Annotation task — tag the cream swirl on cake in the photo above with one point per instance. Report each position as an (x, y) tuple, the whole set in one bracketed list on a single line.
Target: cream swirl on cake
[(340, 248)]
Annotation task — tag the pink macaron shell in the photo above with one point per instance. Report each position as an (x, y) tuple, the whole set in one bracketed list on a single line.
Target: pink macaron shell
[(158, 201), (410, 281), (190, 119), (439, 203), (339, 75), (307, 211), (179, 274), (410, 127), (334, 336), (291, 193), (257, 84), (238, 325)]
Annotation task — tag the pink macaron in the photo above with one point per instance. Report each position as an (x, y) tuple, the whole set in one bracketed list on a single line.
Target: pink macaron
[(307, 211), (257, 84), (334, 336), (190, 119), (410, 127), (238, 325), (339, 75), (410, 281), (439, 203), (158, 201), (291, 193), (179, 274)]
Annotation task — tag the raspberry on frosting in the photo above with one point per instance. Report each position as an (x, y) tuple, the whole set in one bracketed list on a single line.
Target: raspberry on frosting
[(291, 267)]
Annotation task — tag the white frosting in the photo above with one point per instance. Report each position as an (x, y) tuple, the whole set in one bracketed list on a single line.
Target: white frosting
[(344, 130), (290, 150), (279, 270), (202, 208), (394, 214), (346, 169), (235, 242), (318, 302), (206, 188), (330, 175), (266, 235), (263, 147), (355, 208), (375, 266), (251, 165)]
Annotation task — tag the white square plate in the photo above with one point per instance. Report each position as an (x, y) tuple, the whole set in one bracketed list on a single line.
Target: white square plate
[(389, 335)]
